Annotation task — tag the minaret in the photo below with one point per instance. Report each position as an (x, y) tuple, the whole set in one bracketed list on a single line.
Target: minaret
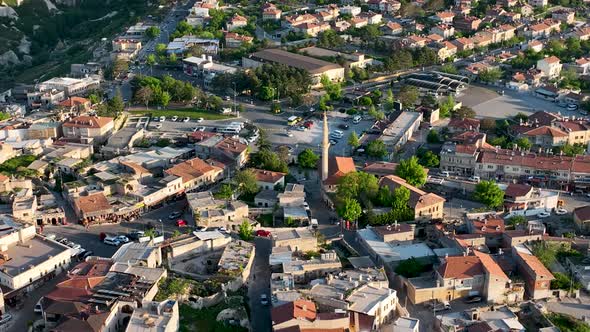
[(325, 149)]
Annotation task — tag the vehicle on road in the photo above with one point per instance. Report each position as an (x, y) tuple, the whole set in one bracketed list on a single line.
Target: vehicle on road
[(308, 124), (186, 119), (289, 134), (201, 228), (263, 299), (135, 235), (85, 254), (199, 120), (473, 299), (222, 229), (162, 118), (343, 126), (292, 120), (181, 223), (475, 179), (560, 212), (356, 119), (572, 107), (174, 215), (301, 128), (200, 129), (438, 306), (50, 236), (38, 307), (158, 126), (314, 223), (5, 319), (544, 215), (333, 142)]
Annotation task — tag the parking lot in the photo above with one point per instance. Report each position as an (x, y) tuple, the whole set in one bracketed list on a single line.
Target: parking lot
[(488, 103)]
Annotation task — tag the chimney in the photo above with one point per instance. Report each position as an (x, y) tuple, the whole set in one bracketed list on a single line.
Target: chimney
[(304, 307)]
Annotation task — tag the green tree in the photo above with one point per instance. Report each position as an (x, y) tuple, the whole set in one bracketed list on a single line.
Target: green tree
[(269, 160), (144, 95), (308, 159), (376, 149), (433, 137), (225, 192), (245, 181), (428, 159), (490, 75), (463, 113), (330, 39), (152, 32), (516, 220), (246, 232), (172, 59), (160, 49), (447, 106), (349, 209), (116, 105), (263, 142), (353, 140), (377, 115), (120, 67), (523, 143), (570, 150), (408, 95), (449, 69), (389, 100), (358, 185), (94, 99), (410, 268), (411, 171), (488, 193)]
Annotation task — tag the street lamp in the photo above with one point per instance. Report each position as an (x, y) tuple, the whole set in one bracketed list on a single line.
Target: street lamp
[(235, 105), (161, 222)]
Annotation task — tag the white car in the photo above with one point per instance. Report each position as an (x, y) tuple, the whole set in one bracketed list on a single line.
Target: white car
[(187, 119), (544, 215), (162, 118), (199, 120), (289, 134), (201, 128), (560, 212), (263, 299), (174, 118), (5, 319), (122, 238), (158, 126)]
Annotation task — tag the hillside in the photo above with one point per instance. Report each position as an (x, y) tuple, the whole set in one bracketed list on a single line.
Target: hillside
[(45, 37)]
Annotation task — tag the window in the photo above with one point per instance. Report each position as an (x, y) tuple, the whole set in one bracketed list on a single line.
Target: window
[(490, 166)]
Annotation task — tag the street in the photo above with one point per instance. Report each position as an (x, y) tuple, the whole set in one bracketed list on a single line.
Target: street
[(259, 284)]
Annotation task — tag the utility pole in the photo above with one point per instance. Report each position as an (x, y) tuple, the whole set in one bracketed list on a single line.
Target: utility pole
[(235, 105)]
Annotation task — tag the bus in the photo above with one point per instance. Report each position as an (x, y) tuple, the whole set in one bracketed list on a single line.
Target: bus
[(229, 130), (292, 120)]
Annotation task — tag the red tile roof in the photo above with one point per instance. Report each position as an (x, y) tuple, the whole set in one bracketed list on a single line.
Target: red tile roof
[(338, 167), (74, 101), (488, 225), (191, 169), (461, 267), (582, 213), (546, 131), (418, 198), (92, 203), (535, 264), (88, 122), (517, 190), (263, 175), (464, 123), (490, 265), (298, 310)]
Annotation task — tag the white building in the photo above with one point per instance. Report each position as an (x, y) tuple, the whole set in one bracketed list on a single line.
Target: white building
[(372, 302)]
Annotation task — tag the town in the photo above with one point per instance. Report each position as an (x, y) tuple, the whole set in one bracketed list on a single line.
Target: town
[(345, 165)]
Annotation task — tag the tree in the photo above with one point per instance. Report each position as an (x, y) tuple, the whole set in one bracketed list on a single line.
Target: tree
[(308, 159), (120, 67), (269, 160), (433, 137), (449, 69), (516, 220), (523, 143), (116, 105), (376, 149), (349, 209), (408, 95), (172, 58), (283, 153), (263, 142), (152, 32), (94, 99), (488, 193), (409, 268), (330, 39), (447, 106), (246, 232), (144, 95), (160, 49), (487, 124), (225, 192), (353, 140), (411, 171), (570, 150), (150, 61), (245, 180), (377, 115), (428, 159), (389, 100), (463, 113), (490, 75), (358, 185)]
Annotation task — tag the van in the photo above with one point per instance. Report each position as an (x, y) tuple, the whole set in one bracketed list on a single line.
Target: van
[(111, 241), (314, 223), (475, 179), (356, 119), (445, 174)]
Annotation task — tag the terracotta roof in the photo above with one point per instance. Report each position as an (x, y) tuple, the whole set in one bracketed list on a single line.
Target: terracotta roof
[(582, 213), (532, 160), (468, 137), (92, 203), (380, 168), (544, 118), (490, 264), (263, 175), (338, 167), (74, 101), (552, 59), (445, 14), (461, 267), (517, 190), (137, 169), (546, 131), (65, 308), (198, 136), (574, 125), (298, 310), (488, 225), (418, 198), (464, 123), (231, 146), (535, 264), (4, 178), (85, 121), (393, 25), (191, 169), (238, 17), (94, 323)]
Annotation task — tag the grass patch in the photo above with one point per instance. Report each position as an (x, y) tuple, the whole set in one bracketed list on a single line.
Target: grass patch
[(204, 319), (183, 112), (568, 323), (265, 220)]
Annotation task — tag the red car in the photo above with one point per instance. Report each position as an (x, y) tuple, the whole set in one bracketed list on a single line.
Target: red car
[(181, 223), (262, 233), (308, 124)]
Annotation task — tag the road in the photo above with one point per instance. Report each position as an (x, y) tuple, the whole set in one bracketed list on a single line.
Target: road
[(259, 284)]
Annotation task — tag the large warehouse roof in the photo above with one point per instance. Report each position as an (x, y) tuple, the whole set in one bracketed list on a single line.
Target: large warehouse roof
[(313, 66)]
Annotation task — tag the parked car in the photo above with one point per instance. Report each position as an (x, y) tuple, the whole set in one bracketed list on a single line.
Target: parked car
[(162, 118), (200, 129), (38, 307), (544, 215), (135, 235), (333, 142), (186, 119), (111, 242), (560, 212), (199, 120), (475, 179), (181, 223), (201, 228), (308, 124), (85, 254), (262, 233), (289, 134), (174, 215), (5, 319), (222, 229), (343, 126), (174, 118), (50, 236), (158, 126), (122, 238), (263, 299)]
